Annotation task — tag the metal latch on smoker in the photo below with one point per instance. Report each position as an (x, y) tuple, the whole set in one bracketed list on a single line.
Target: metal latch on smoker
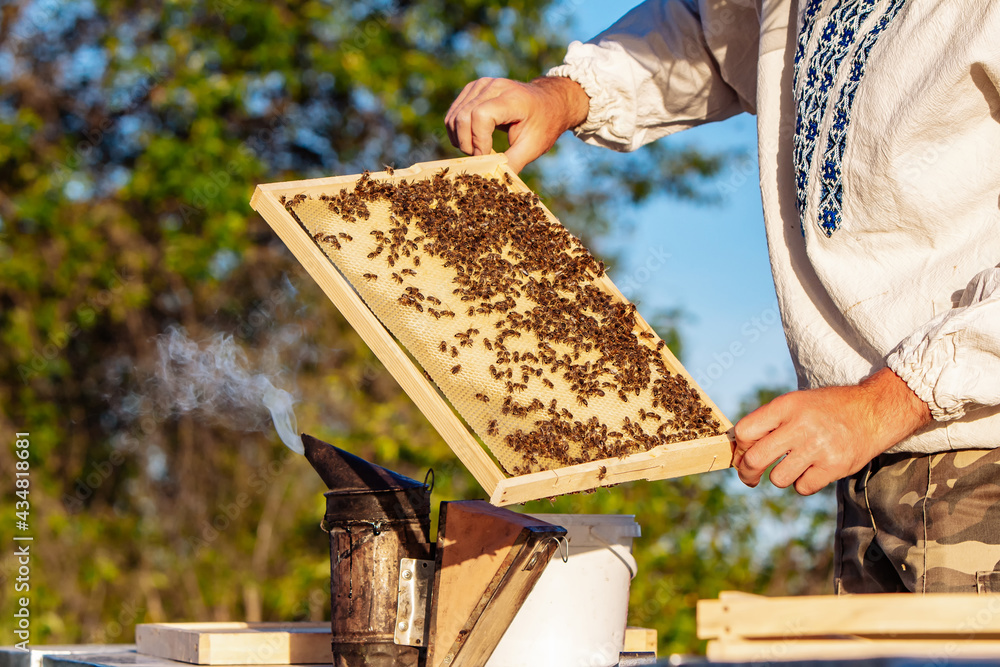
[(416, 579)]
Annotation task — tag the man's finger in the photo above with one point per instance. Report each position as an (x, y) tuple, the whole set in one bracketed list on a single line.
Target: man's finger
[(484, 121), (459, 117), (789, 469), (463, 130), (812, 480), (456, 106), (761, 455), (761, 421)]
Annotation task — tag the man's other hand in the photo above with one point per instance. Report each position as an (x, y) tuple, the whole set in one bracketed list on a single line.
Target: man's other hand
[(826, 434), (533, 114)]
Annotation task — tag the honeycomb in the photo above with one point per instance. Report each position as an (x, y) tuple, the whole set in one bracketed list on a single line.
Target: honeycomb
[(504, 310)]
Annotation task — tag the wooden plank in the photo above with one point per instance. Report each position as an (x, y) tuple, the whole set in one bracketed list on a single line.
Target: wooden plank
[(236, 643), (488, 560), (266, 202), (663, 462), (112, 658), (959, 615), (767, 651), (640, 640)]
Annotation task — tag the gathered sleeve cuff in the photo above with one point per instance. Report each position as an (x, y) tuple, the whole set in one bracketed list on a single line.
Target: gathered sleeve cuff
[(665, 66), (952, 363)]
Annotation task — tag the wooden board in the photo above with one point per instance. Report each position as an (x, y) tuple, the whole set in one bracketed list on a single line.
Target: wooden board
[(236, 643), (640, 640), (488, 560), (759, 629), (662, 462), (109, 656), (967, 616), (762, 651)]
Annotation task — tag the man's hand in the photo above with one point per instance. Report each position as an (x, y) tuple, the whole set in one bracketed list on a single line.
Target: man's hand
[(826, 434), (534, 115)]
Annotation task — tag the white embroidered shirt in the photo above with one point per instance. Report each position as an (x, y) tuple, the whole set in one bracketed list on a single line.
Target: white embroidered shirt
[(879, 145)]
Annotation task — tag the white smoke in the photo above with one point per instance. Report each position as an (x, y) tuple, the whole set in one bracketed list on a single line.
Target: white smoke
[(216, 381)]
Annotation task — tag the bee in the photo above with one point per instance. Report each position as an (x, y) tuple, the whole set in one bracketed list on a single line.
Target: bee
[(443, 346), (646, 335), (370, 277), (396, 278), (389, 170), (454, 351), (416, 260), (491, 428), (408, 272), (483, 397), (507, 179), (456, 368), (346, 237), (433, 299), (548, 383)]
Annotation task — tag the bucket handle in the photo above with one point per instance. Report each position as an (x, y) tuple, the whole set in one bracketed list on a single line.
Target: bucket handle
[(611, 548), (562, 544)]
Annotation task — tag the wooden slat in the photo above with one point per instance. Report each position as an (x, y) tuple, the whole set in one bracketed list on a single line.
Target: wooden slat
[(236, 643), (640, 640), (663, 462), (767, 651), (265, 201), (957, 615)]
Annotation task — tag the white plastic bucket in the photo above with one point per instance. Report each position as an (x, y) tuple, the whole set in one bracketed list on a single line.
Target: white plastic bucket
[(576, 614)]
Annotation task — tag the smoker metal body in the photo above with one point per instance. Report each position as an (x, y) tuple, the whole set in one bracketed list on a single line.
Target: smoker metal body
[(374, 517)]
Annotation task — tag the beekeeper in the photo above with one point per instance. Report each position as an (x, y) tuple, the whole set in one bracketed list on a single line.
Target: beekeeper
[(879, 151)]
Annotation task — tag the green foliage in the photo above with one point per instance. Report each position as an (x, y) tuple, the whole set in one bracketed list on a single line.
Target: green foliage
[(131, 136)]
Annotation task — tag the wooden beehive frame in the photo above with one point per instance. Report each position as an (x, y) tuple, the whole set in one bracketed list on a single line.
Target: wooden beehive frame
[(665, 461), (743, 627)]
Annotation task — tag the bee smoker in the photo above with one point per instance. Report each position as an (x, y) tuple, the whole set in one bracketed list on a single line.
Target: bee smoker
[(374, 517)]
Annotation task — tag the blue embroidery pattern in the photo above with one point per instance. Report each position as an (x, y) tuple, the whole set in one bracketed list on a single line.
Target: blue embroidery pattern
[(831, 184), (815, 87)]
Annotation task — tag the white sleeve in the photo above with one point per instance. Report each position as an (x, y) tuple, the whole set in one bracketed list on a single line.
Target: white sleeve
[(953, 362), (666, 66)]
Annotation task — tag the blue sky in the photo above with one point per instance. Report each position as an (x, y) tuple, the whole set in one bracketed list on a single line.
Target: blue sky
[(717, 269)]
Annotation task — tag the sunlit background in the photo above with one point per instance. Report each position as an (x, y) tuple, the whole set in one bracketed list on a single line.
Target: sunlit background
[(150, 321)]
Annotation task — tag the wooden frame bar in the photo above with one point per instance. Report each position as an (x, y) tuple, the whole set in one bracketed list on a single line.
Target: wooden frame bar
[(236, 643), (663, 462), (754, 628)]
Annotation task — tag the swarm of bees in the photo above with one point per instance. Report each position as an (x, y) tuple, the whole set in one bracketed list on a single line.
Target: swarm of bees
[(560, 356)]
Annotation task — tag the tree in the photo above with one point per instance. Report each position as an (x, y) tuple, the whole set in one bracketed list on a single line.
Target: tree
[(130, 139)]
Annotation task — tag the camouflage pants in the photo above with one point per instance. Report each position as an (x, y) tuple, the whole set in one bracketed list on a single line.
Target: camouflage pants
[(924, 523)]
